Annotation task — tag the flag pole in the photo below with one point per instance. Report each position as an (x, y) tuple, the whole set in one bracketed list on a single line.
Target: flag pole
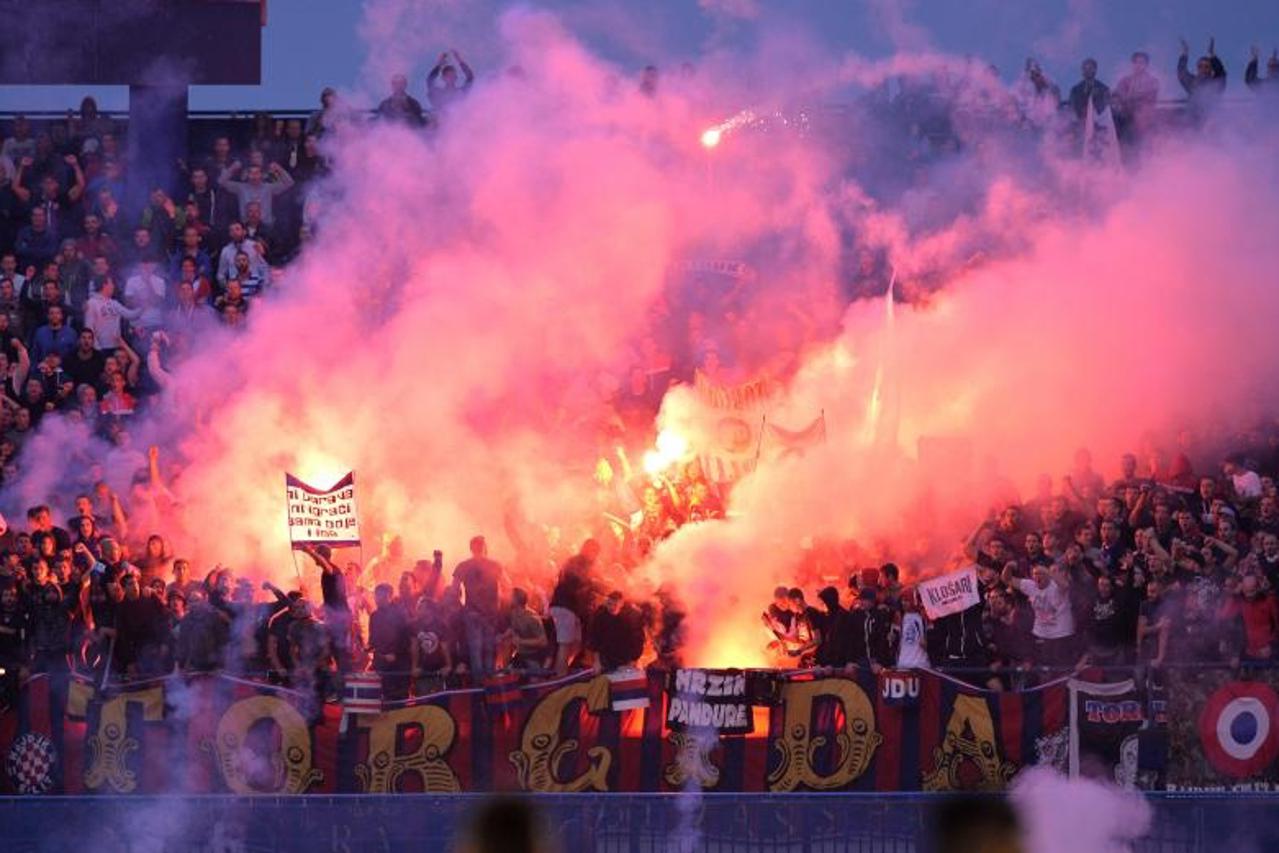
[(759, 445)]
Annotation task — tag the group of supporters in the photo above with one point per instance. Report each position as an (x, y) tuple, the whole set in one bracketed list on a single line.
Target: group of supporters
[(1159, 568), (71, 599)]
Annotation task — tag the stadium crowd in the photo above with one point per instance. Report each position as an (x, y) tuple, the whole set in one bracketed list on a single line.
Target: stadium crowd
[(1158, 568), (98, 302)]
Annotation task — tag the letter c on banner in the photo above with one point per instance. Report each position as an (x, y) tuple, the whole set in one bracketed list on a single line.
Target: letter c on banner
[(292, 769)]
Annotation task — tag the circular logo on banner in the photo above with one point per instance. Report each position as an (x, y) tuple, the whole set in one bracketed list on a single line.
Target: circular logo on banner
[(30, 763), (429, 641), (1239, 729), (734, 435)]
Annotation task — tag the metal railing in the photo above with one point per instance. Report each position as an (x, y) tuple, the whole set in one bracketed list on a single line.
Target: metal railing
[(630, 823)]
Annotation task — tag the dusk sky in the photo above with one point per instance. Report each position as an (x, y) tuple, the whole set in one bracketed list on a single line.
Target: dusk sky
[(311, 43)]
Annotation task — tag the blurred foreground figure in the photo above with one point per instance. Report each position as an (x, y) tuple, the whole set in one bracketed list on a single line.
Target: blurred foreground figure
[(976, 825), (505, 825)]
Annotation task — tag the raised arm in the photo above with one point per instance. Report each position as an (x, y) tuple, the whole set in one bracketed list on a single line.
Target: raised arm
[(1135, 515), (280, 596), (153, 468), (118, 518), (468, 76), (135, 363), (23, 367), (1218, 67), (327, 566), (226, 180), (434, 76), (22, 192), (77, 188), (1184, 76), (970, 544), (162, 377), (284, 181), (1231, 552), (1061, 576)]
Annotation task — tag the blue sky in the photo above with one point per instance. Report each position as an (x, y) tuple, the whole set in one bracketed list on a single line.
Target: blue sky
[(310, 43)]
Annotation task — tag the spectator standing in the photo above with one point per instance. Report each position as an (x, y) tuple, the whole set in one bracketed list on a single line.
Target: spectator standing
[(36, 244), (147, 291), (85, 364), (431, 656), (21, 144), (1154, 625), (55, 337), (479, 579), (1205, 86), (572, 602), (389, 641), (1048, 591), (214, 205), (94, 243), (1089, 92), (912, 651), (1260, 615), (442, 84), (401, 107), (616, 633), (1135, 102), (527, 634), (312, 655), (1268, 84), (255, 189), (103, 315), (327, 118), (240, 242)]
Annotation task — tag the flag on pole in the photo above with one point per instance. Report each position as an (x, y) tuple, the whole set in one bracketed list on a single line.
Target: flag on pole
[(322, 516)]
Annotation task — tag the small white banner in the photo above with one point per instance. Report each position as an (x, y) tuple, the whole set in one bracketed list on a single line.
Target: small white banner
[(950, 593), (322, 516)]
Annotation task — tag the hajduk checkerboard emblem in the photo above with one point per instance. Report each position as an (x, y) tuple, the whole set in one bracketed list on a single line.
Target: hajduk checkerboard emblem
[(30, 763)]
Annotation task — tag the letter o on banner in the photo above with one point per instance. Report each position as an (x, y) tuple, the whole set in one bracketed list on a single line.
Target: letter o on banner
[(1239, 729), (295, 772)]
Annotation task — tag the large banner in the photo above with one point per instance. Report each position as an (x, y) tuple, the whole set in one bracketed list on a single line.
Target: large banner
[(219, 734), (731, 427), (1223, 731), (1105, 720), (322, 516)]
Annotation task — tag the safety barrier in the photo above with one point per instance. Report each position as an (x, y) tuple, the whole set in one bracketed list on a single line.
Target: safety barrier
[(857, 823)]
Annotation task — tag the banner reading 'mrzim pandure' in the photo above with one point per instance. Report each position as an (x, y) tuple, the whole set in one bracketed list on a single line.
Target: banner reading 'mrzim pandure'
[(322, 516)]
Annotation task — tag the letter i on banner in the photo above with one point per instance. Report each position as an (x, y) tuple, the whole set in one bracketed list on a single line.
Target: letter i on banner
[(322, 516)]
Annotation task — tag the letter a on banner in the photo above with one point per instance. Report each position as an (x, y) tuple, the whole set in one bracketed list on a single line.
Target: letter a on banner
[(322, 516)]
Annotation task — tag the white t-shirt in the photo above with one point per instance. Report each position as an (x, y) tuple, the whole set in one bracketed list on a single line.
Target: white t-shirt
[(912, 653), (1053, 616)]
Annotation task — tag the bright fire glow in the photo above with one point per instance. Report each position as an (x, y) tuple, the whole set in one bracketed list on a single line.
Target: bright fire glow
[(319, 469), (711, 137), (671, 447)]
